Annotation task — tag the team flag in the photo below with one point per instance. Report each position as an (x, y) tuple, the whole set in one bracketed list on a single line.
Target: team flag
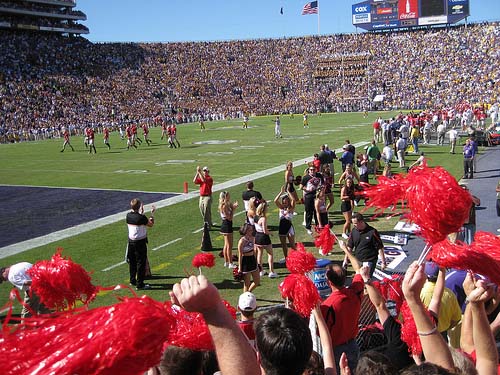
[(310, 8)]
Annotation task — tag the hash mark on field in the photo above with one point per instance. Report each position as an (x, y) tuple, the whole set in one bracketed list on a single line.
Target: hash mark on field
[(183, 255), (161, 266)]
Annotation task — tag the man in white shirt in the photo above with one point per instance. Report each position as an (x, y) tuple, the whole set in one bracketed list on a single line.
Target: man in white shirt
[(453, 134), (441, 131), (18, 276)]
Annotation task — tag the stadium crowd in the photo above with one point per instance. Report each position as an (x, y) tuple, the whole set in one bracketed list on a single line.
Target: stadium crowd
[(50, 81)]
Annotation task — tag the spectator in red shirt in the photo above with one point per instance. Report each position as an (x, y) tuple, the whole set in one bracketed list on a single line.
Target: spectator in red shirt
[(341, 312), (247, 304), (203, 178)]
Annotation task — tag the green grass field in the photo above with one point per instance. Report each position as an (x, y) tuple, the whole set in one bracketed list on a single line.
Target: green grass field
[(227, 149)]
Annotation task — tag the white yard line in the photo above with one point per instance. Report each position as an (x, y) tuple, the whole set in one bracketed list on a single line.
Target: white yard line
[(94, 224)]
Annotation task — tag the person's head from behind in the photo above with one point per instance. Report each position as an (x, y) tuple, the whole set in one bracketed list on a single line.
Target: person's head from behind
[(336, 275), (372, 362), (180, 361), (262, 209), (426, 368), (283, 341), (135, 204), (250, 185), (315, 365)]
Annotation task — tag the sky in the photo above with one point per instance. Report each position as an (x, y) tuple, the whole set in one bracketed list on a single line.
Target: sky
[(215, 20)]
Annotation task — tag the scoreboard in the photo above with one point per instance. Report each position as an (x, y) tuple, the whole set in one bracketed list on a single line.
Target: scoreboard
[(390, 14)]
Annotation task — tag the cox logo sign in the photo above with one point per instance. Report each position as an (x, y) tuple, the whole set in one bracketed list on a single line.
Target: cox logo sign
[(361, 9)]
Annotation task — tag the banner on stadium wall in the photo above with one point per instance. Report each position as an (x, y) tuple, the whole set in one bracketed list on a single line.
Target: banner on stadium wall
[(361, 13), (384, 11), (458, 7), (433, 20), (408, 9), (385, 25)]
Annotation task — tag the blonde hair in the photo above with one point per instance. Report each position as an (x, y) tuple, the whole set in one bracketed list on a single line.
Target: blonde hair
[(223, 200), (262, 209)]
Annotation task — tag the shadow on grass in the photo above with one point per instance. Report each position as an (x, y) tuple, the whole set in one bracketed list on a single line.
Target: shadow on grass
[(229, 284)]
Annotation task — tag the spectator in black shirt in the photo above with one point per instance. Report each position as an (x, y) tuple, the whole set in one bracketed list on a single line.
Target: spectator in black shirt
[(250, 193), (137, 251)]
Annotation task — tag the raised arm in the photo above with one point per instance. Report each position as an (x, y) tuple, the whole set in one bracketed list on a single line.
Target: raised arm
[(277, 199), (437, 294), (326, 342), (484, 342), (433, 345), (198, 294)]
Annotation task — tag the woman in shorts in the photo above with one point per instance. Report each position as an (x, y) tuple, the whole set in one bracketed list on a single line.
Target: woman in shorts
[(286, 204), (226, 210), (347, 197), (247, 263), (263, 241)]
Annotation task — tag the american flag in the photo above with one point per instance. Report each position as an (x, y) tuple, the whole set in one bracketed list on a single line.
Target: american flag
[(310, 8)]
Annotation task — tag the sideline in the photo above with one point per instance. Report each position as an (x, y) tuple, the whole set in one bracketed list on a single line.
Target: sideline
[(20, 247)]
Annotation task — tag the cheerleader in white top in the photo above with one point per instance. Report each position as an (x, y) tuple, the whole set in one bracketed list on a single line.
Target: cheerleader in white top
[(286, 203), (247, 263), (226, 210), (262, 239)]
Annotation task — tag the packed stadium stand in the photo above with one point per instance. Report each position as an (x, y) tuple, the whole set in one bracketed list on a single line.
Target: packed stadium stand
[(49, 80)]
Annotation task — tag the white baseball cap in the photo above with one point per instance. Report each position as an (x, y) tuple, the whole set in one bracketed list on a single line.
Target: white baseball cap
[(247, 302)]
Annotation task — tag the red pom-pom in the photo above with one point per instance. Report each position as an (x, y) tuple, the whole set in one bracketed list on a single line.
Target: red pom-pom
[(387, 193), (487, 243), (237, 275), (300, 261), (300, 246), (125, 338), (203, 260), (59, 282), (301, 291), (436, 202), (325, 240), (391, 289), (190, 331), (231, 309), (462, 256), (409, 331)]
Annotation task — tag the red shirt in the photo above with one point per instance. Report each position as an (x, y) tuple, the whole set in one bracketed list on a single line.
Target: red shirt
[(247, 328), (145, 129), (205, 186), (66, 135), (106, 133), (341, 311)]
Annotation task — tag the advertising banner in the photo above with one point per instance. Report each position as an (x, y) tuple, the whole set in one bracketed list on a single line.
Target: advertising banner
[(408, 9), (361, 13), (384, 10), (458, 8)]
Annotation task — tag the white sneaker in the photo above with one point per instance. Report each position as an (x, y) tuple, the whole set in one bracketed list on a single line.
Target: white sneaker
[(282, 261), (309, 232), (273, 275), (231, 265), (345, 236), (225, 264), (263, 273)]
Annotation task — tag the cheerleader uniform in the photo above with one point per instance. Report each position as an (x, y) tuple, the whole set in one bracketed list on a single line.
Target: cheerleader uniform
[(226, 226), (261, 238), (248, 260), (286, 226), (323, 214), (289, 183), (346, 205)]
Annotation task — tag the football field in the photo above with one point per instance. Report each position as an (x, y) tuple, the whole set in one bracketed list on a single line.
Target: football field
[(78, 201)]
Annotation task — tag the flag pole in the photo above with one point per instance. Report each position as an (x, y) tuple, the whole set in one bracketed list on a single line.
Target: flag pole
[(318, 19)]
